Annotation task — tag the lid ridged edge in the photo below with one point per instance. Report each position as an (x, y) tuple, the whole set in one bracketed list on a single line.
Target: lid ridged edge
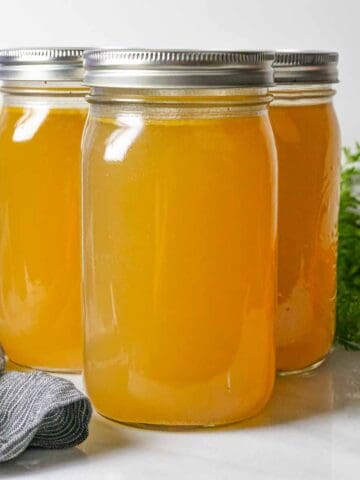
[(40, 54), (175, 57), (305, 66), (42, 64), (177, 68)]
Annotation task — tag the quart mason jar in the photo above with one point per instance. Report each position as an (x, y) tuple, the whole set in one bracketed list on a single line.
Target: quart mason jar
[(179, 225), (41, 121), (308, 144)]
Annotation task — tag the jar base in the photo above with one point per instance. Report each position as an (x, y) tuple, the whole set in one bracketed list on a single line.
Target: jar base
[(20, 366), (299, 371), (174, 427)]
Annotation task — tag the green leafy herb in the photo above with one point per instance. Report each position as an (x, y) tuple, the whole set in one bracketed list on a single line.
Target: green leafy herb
[(348, 293)]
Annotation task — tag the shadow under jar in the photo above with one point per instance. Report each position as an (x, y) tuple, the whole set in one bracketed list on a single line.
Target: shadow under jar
[(41, 121), (179, 223), (308, 144)]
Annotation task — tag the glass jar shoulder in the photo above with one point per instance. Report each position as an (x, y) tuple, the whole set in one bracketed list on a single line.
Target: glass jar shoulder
[(24, 121), (297, 121), (309, 106), (108, 129)]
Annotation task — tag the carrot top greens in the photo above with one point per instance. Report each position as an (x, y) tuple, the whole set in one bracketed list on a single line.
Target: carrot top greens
[(348, 292)]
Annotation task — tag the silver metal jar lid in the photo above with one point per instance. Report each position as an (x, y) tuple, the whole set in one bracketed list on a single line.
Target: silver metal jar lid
[(305, 67), (177, 68), (42, 64)]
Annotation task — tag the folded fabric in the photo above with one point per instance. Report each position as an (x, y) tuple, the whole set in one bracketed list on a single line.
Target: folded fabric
[(40, 410)]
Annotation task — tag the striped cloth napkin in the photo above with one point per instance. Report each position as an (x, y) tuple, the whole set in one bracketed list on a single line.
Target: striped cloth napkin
[(40, 410)]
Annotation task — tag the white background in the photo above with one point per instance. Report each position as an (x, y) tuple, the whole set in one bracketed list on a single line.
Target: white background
[(224, 24)]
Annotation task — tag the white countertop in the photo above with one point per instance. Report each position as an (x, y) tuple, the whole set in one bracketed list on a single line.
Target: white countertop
[(310, 430)]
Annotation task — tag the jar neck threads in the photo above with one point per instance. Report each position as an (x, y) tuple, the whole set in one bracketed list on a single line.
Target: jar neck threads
[(54, 95), (194, 103), (299, 94)]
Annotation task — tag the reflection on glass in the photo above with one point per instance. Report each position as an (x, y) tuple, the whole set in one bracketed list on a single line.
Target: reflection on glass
[(119, 142), (29, 123)]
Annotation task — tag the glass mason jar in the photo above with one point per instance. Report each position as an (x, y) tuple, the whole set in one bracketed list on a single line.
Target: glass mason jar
[(41, 121), (179, 227), (308, 144)]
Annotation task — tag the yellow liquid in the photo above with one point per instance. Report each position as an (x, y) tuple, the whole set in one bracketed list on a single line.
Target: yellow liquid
[(40, 299), (180, 265), (308, 144)]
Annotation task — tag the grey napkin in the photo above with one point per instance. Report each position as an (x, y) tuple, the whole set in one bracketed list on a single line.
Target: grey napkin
[(40, 410)]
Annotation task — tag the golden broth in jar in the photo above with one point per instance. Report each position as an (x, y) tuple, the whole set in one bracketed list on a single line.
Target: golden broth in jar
[(40, 307), (179, 258), (308, 144), (40, 299)]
